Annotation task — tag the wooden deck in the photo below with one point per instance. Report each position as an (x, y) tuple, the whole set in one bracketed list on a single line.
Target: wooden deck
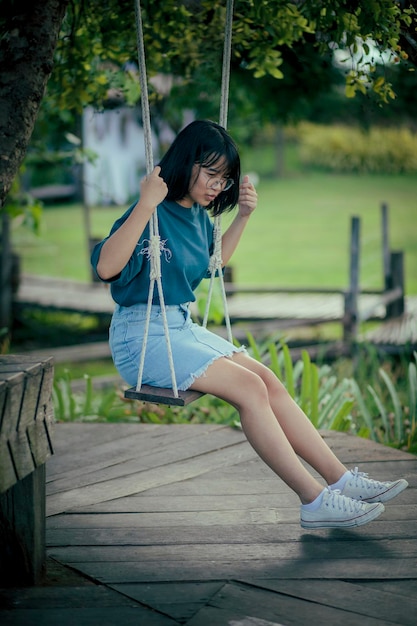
[(259, 313), (183, 524), (286, 306)]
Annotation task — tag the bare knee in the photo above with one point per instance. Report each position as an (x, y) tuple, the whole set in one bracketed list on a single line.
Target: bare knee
[(253, 392), (273, 385), (241, 387), (276, 388)]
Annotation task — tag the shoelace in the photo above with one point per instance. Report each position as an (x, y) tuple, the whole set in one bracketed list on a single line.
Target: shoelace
[(361, 479), (336, 500)]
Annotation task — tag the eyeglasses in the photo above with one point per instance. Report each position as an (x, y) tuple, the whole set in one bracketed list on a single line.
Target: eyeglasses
[(213, 182)]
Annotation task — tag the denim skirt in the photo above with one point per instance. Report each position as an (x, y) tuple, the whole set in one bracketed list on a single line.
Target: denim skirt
[(193, 347)]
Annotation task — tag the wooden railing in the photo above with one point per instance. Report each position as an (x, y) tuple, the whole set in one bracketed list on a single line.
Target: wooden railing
[(391, 297)]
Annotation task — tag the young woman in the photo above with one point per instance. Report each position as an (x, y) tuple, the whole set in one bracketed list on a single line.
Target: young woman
[(200, 173)]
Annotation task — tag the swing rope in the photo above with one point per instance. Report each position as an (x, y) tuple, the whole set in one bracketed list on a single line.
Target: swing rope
[(154, 253), (154, 237), (216, 261)]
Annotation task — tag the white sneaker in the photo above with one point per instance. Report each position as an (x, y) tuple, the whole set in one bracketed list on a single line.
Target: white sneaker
[(359, 487), (339, 511)]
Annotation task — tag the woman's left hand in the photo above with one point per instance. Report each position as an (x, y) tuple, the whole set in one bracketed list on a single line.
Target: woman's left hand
[(248, 197)]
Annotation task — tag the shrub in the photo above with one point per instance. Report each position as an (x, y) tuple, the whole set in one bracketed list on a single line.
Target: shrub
[(346, 149)]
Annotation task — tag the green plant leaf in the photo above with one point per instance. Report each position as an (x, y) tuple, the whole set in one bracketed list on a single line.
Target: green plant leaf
[(289, 370), (363, 411), (274, 360), (382, 411), (412, 394), (314, 404), (305, 399), (342, 419), (254, 347), (398, 412)]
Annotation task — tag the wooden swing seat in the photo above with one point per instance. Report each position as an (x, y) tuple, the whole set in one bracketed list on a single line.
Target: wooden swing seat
[(160, 395)]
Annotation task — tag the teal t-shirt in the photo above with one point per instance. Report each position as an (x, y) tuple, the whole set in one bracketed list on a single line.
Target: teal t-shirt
[(186, 242)]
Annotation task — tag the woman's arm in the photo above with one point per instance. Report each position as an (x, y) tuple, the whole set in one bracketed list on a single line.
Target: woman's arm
[(248, 199), (118, 248)]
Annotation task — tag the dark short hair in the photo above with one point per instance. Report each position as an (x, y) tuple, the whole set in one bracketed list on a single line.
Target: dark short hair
[(202, 142)]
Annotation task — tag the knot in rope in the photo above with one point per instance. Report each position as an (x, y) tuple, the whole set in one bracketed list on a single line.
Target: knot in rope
[(216, 260), (155, 256), (153, 253)]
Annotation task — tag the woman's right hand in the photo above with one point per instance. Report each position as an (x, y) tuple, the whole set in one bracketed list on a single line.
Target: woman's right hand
[(153, 189)]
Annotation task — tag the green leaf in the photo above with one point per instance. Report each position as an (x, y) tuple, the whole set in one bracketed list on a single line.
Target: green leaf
[(363, 410), (412, 391), (289, 370), (341, 420), (314, 404), (382, 411), (398, 412), (88, 400), (305, 399), (254, 347)]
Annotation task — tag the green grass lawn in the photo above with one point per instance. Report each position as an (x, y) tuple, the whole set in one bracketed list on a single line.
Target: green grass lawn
[(298, 236)]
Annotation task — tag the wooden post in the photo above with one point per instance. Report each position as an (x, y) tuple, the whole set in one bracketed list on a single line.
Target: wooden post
[(228, 278), (22, 531), (396, 279), (386, 253), (350, 322)]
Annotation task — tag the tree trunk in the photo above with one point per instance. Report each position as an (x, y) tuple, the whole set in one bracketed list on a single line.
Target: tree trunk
[(27, 44)]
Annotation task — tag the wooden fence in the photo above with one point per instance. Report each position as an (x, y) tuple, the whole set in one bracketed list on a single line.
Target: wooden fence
[(390, 297)]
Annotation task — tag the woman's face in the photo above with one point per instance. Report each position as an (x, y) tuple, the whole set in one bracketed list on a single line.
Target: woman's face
[(206, 184)]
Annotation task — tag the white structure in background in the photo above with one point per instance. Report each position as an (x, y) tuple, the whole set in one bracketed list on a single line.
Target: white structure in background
[(116, 137)]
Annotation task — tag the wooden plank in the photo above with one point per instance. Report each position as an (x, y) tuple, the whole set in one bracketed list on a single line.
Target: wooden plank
[(160, 395), (220, 485), (399, 331), (33, 376), (179, 601), (26, 426), (12, 402), (389, 549), (79, 596), (362, 450), (64, 295), (8, 473), (139, 457), (86, 437), (300, 569), (338, 594), (132, 534), (114, 438), (22, 529), (85, 616), (242, 605), (401, 588), (146, 479), (133, 443), (21, 454), (179, 503), (39, 435)]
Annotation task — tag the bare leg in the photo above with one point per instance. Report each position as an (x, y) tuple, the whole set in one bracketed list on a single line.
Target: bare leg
[(301, 434), (247, 391)]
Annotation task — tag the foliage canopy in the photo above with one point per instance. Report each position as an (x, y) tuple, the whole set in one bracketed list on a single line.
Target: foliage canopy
[(97, 47)]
